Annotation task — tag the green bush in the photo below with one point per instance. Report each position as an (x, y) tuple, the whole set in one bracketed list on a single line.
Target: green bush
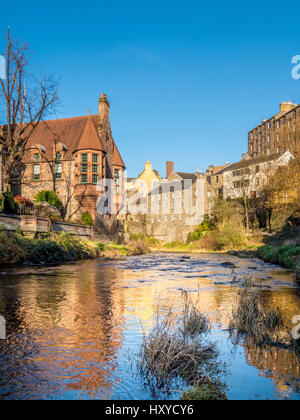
[(50, 197), (287, 256), (51, 248), (206, 226), (86, 219)]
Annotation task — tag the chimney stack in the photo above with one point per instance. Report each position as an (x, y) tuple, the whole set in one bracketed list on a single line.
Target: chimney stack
[(169, 168), (103, 109)]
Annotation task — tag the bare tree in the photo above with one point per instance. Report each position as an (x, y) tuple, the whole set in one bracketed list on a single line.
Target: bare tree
[(25, 104)]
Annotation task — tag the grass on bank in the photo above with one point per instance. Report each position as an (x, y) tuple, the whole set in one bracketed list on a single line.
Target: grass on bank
[(175, 349), (48, 249), (287, 256)]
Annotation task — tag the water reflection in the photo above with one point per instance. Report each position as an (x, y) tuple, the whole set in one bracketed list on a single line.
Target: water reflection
[(72, 329)]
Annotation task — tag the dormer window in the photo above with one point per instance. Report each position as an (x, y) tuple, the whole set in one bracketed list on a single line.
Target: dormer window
[(58, 156), (36, 157)]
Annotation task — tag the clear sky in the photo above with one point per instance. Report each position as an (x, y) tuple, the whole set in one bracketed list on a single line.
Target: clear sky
[(186, 80)]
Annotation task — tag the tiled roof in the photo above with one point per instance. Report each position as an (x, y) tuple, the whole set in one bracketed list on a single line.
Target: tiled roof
[(76, 133), (89, 138), (250, 162)]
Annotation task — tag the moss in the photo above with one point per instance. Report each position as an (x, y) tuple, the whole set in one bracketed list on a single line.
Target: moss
[(204, 392)]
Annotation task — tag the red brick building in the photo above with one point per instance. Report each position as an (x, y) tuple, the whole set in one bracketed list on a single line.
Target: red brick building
[(73, 157)]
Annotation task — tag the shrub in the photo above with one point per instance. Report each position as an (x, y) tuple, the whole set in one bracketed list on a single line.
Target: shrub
[(86, 219), (208, 242), (286, 256), (231, 235), (23, 201), (13, 248), (50, 197), (206, 226)]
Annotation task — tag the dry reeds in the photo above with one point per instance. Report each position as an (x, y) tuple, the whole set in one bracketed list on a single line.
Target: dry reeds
[(249, 317), (171, 351)]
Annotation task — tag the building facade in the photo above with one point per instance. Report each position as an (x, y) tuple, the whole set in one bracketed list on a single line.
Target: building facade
[(167, 208), (78, 159), (277, 134), (249, 176)]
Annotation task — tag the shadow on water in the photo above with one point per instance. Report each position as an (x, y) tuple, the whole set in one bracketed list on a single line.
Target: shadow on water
[(72, 330)]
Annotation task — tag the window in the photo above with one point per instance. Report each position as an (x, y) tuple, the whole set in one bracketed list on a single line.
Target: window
[(36, 157), (83, 167), (95, 169), (84, 178), (278, 124), (58, 156), (95, 158), (36, 172), (117, 189), (58, 171), (95, 179), (84, 158)]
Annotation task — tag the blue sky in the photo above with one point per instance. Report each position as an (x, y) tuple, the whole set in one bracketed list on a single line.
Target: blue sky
[(186, 80)]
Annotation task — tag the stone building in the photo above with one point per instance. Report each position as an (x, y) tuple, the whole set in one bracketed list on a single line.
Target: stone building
[(214, 179), (277, 134), (79, 159), (172, 208), (248, 177)]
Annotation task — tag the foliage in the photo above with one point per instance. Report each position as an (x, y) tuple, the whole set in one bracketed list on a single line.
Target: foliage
[(23, 201), (53, 248), (287, 256), (14, 248), (1, 202), (86, 218), (50, 197), (206, 226), (207, 391), (231, 235)]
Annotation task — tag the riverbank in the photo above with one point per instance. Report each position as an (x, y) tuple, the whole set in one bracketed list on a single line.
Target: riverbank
[(59, 248)]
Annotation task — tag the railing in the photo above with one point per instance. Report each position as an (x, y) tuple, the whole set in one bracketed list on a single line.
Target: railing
[(25, 211)]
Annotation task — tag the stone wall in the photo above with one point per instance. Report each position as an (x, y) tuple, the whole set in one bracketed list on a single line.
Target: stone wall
[(85, 232), (30, 225), (107, 228)]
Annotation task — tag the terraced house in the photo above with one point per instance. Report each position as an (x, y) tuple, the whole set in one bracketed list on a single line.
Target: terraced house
[(72, 157), (276, 135)]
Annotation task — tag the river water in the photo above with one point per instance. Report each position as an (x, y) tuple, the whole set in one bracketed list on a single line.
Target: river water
[(73, 330)]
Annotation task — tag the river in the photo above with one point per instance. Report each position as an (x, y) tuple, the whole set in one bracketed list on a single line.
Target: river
[(73, 330)]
